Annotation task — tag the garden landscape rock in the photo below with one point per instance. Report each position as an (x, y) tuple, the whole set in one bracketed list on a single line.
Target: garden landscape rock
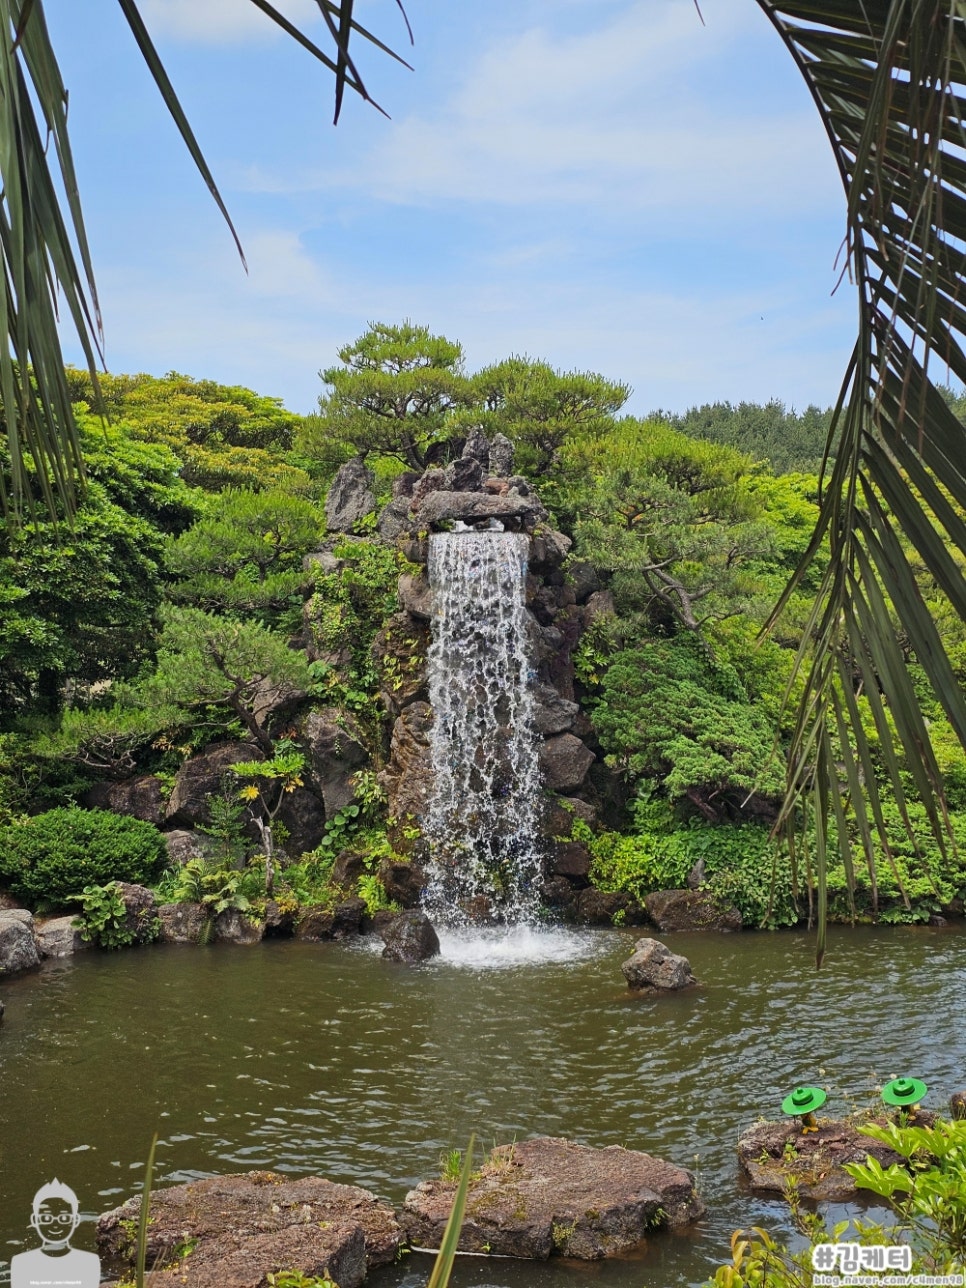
[(690, 910), (182, 923), (18, 950), (350, 497), (140, 911), (410, 937), (551, 1197), (58, 937), (654, 968), (250, 1225)]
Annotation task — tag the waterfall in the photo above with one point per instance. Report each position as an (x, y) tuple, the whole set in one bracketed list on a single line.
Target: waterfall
[(482, 822)]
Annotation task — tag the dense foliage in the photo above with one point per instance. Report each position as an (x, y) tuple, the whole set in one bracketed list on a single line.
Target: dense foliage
[(47, 860)]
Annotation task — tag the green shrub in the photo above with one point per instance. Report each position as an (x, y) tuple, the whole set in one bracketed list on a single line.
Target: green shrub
[(48, 859)]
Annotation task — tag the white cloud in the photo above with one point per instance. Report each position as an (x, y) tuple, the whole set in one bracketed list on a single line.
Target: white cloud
[(222, 21)]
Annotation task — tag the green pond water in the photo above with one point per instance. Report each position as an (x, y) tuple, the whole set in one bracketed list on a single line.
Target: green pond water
[(323, 1058)]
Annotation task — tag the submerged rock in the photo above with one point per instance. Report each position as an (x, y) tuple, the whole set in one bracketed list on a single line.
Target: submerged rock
[(654, 967), (551, 1197), (410, 937), (18, 951), (247, 1226)]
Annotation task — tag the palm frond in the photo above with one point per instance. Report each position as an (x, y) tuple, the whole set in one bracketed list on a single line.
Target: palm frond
[(43, 243), (889, 80)]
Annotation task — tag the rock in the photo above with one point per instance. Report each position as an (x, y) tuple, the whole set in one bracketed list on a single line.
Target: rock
[(321, 561), (416, 595), (18, 951), (1, 1009), (350, 497), (501, 456), (314, 923), (476, 447), (303, 814), (519, 484), (403, 485), (140, 917), (771, 1154), (348, 867), (408, 778), (182, 923), (584, 579), (58, 938), (431, 481), (570, 859), (550, 1197), (696, 877), (394, 519), (561, 811), (557, 892), (247, 1226), (279, 920), (548, 550), (399, 651), (7, 901), (608, 908), (690, 910), (347, 918), (274, 698), (335, 747), (410, 937), (552, 713), (464, 475), (654, 966), (599, 604), (564, 762), (402, 882), (233, 927), (476, 507), (957, 1104), (139, 797), (199, 778), (183, 846)]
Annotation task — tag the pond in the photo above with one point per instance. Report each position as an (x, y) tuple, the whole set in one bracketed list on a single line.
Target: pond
[(323, 1058)]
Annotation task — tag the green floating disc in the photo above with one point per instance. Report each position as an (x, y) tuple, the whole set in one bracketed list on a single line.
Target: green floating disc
[(904, 1091), (803, 1100)]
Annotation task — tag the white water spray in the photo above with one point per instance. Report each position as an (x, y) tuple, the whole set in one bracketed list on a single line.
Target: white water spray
[(483, 816)]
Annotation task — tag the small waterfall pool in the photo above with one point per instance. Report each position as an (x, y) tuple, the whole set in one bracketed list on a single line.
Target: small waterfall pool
[(325, 1059)]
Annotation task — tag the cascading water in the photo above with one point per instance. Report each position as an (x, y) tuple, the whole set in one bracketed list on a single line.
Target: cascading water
[(483, 817)]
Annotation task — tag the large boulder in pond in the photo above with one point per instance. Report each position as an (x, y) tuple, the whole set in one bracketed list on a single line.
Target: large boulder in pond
[(350, 497), (551, 1197), (18, 950), (410, 937), (690, 910), (773, 1155), (654, 968), (247, 1226), (57, 937)]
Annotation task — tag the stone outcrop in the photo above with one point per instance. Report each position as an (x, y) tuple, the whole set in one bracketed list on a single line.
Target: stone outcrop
[(550, 1197), (410, 937), (182, 923), (408, 776), (245, 1227), (654, 968), (183, 846), (690, 910), (350, 497), (336, 749), (564, 762), (18, 949), (58, 937), (199, 778), (341, 922), (609, 908), (402, 882), (141, 797), (140, 911), (477, 507), (233, 927), (772, 1154)]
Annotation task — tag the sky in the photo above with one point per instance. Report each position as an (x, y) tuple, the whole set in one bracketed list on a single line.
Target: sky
[(606, 185)]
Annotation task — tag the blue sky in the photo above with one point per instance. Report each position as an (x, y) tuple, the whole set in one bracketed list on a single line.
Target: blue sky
[(607, 185)]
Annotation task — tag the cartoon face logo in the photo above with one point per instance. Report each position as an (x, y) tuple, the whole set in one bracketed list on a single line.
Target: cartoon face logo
[(55, 1264)]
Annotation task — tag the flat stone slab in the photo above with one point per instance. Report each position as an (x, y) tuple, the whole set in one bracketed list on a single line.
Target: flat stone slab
[(550, 1197), (773, 1154), (241, 1228)]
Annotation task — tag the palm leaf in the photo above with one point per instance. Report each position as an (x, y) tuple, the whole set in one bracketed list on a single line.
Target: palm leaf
[(889, 80), (43, 244)]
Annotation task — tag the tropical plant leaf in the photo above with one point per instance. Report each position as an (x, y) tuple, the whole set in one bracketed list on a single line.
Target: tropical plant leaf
[(889, 80), (43, 243)]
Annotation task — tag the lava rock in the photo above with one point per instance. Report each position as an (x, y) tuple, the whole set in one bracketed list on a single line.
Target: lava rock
[(182, 923), (58, 938), (464, 475), (233, 927), (558, 893), (655, 968), (570, 859), (477, 448), (416, 595), (336, 749), (348, 867), (18, 950), (200, 778), (608, 908), (599, 604), (350, 498), (502, 452), (564, 762), (690, 910), (551, 1197), (399, 651), (408, 779), (247, 1226), (410, 937), (772, 1154), (394, 519), (139, 797), (475, 507), (183, 846), (402, 882), (552, 714), (431, 481)]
